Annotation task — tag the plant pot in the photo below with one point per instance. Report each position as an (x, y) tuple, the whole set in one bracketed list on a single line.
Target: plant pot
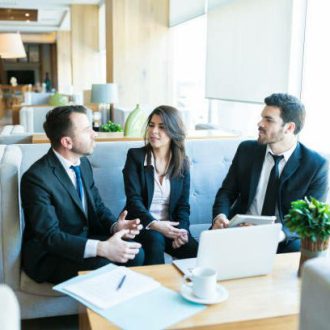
[(311, 250)]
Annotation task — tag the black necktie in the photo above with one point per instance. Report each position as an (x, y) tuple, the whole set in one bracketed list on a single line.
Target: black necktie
[(272, 188), (79, 184)]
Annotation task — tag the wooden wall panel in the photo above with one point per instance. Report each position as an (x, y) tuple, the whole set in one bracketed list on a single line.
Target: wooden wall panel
[(86, 64), (64, 56), (139, 51)]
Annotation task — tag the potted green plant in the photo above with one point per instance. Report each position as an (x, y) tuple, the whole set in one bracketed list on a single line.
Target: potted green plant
[(310, 219), (111, 127)]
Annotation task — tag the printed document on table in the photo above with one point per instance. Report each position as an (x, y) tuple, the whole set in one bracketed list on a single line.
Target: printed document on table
[(103, 290)]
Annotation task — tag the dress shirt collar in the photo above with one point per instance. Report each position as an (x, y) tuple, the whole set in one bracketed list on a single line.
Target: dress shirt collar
[(286, 154), (65, 162)]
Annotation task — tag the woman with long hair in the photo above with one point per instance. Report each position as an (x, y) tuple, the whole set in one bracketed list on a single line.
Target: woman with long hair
[(157, 184)]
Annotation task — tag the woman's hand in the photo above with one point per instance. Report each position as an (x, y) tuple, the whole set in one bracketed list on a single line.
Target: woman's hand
[(181, 240), (167, 228)]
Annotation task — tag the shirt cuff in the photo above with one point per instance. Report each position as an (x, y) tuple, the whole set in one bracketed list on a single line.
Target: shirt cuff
[(113, 227), (148, 227), (91, 248)]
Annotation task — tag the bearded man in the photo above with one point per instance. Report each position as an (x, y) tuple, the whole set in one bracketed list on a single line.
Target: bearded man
[(67, 226), (268, 174)]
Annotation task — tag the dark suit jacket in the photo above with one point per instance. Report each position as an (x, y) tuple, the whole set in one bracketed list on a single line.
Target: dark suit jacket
[(305, 174), (55, 222), (139, 188)]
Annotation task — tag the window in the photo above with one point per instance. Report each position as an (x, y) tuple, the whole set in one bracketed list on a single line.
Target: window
[(316, 76), (189, 40)]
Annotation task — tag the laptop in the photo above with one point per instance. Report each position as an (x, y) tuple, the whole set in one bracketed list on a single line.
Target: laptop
[(235, 252)]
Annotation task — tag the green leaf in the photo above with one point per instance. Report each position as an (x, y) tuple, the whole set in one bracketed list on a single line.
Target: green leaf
[(111, 127), (309, 217)]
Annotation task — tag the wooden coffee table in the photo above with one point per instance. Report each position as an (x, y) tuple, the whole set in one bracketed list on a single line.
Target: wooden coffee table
[(262, 302)]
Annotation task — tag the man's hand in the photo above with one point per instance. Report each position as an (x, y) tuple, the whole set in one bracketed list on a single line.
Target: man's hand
[(116, 249), (220, 221), (133, 226), (180, 240), (166, 228)]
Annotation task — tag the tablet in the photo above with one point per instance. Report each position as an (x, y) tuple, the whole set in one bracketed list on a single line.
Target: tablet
[(251, 219)]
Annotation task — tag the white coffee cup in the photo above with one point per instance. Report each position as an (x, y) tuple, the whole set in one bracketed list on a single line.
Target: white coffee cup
[(203, 282)]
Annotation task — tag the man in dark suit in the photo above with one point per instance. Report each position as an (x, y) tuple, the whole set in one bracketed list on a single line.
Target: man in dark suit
[(268, 174), (67, 226)]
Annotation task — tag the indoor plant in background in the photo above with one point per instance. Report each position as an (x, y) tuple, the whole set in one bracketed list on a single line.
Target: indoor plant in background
[(310, 219), (111, 127)]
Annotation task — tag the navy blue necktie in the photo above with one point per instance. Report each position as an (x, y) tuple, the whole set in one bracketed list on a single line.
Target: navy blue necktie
[(79, 184), (272, 188)]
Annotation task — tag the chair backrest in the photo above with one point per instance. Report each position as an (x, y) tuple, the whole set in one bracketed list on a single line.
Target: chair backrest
[(13, 134), (36, 98), (315, 295), (32, 118), (9, 307), (14, 161)]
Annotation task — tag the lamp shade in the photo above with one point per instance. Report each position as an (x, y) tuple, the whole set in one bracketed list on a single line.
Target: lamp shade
[(104, 93), (11, 45)]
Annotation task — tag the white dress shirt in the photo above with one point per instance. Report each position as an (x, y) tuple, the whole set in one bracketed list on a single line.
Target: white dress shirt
[(91, 244), (161, 198), (258, 201)]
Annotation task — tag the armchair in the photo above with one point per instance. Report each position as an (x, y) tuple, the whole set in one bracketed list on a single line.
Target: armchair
[(315, 295), (10, 314)]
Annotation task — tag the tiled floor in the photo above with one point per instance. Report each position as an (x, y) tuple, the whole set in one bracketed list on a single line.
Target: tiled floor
[(52, 323)]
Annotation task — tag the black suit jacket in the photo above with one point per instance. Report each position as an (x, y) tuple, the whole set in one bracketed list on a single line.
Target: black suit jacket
[(55, 222), (305, 174), (139, 188)]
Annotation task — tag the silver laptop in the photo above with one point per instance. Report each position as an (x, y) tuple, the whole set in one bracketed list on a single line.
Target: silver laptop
[(235, 252)]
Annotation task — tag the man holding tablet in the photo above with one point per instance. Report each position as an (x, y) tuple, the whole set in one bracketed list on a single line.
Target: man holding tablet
[(268, 174)]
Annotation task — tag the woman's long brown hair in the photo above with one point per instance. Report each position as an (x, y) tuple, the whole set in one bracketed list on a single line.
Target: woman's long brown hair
[(174, 127)]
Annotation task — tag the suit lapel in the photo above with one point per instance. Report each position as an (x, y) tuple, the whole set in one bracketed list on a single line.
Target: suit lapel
[(256, 171), (288, 170), (149, 180), (63, 178), (291, 166), (174, 183)]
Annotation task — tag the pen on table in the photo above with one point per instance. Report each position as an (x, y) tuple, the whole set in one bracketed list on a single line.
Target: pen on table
[(121, 282)]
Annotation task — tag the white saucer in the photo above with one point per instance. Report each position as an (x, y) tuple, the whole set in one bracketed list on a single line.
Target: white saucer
[(221, 295)]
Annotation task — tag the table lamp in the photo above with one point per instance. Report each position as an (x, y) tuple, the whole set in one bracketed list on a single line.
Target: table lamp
[(105, 95), (11, 46)]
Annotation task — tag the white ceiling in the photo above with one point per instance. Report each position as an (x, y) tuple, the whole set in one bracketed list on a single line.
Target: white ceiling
[(53, 15)]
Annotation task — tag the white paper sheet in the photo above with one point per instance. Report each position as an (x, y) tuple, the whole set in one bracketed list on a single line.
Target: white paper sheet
[(103, 292)]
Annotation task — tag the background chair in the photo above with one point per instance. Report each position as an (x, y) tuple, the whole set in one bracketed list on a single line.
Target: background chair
[(12, 134), (32, 118), (10, 313), (315, 295), (36, 98)]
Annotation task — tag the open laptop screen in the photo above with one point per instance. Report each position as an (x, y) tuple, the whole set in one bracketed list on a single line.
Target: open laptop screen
[(236, 252)]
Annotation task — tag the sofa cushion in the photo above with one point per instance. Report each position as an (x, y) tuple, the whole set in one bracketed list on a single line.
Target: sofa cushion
[(41, 289), (10, 229), (7, 129)]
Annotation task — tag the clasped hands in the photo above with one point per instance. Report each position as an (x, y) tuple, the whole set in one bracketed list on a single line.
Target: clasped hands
[(169, 230), (116, 248)]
